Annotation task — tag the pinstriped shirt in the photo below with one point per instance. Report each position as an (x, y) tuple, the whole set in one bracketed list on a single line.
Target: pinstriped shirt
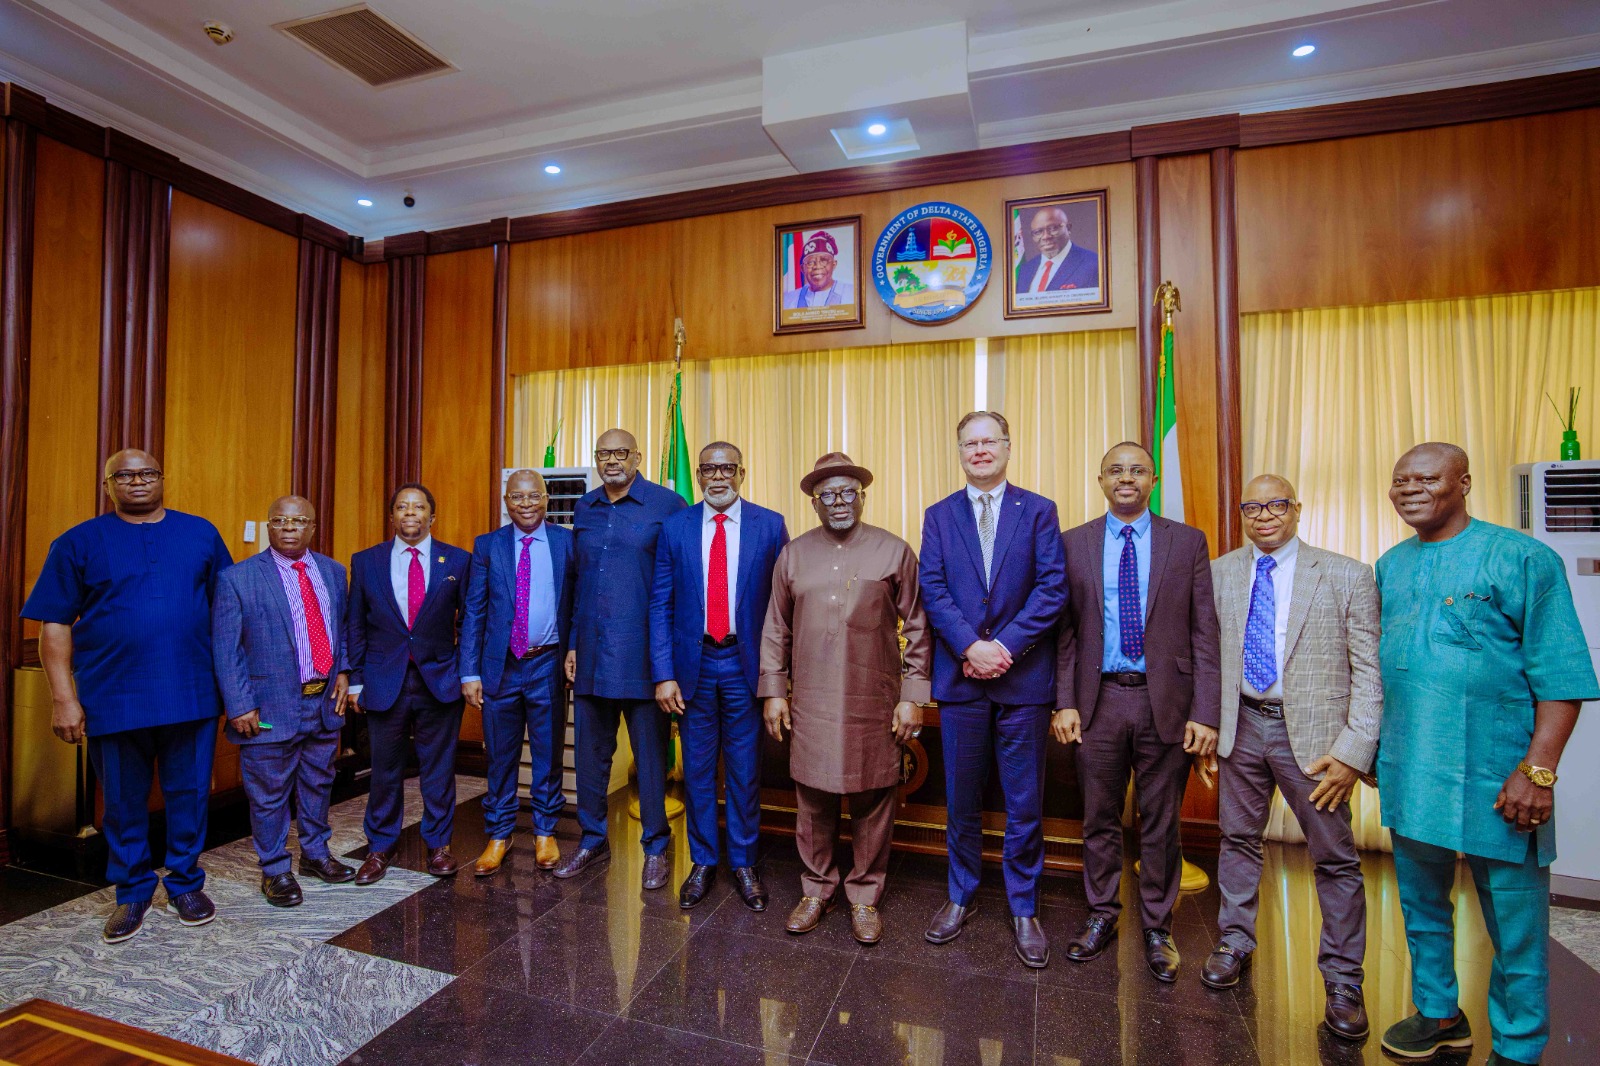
[(297, 608)]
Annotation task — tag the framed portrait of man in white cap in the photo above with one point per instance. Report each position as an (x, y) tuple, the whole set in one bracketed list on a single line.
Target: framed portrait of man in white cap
[(817, 275)]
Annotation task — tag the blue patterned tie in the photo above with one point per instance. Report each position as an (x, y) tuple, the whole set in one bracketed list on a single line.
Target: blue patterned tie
[(1260, 650), (1129, 612)]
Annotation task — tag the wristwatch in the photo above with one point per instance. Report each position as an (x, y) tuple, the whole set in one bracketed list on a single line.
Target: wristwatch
[(1537, 774)]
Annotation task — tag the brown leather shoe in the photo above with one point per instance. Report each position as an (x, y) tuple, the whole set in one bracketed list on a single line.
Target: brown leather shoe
[(494, 853), (1346, 1011), (807, 913), (374, 868), (1225, 967), (441, 863), (865, 925), (546, 855)]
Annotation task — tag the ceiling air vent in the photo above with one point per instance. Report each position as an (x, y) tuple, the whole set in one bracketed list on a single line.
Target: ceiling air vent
[(366, 44)]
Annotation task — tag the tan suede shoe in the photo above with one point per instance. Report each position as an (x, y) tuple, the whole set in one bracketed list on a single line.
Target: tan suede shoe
[(494, 853), (546, 855), (807, 913)]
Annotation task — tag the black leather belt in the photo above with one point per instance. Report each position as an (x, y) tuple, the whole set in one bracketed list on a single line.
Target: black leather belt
[(315, 687), (1267, 708), (1125, 678), (536, 650), (726, 642)]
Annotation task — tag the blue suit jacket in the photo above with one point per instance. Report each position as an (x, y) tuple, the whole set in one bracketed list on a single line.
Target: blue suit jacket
[(492, 600), (380, 645), (1029, 592), (253, 646), (678, 597), (1079, 270)]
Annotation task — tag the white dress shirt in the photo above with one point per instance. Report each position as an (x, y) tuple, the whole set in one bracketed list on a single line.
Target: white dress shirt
[(400, 569), (1047, 269), (1282, 589), (708, 530)]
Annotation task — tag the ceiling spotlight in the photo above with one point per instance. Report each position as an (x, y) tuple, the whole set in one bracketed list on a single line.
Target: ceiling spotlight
[(1303, 51), (551, 168), (364, 202), (877, 129)]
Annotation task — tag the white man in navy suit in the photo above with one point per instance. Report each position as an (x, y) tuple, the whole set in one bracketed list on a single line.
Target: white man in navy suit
[(513, 640), (277, 641), (406, 600), (713, 581), (994, 582), (1060, 264)]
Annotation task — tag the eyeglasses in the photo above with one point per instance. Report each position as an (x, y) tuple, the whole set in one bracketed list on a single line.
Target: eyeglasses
[(524, 497), (1131, 471), (829, 498), (290, 521), (1045, 231), (1272, 507), (726, 471), (129, 477), (621, 455), (987, 443)]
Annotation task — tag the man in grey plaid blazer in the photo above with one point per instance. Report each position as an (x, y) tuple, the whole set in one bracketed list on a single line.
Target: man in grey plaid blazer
[(1302, 698)]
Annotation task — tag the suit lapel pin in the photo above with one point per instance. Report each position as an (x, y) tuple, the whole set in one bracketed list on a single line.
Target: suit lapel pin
[(441, 558)]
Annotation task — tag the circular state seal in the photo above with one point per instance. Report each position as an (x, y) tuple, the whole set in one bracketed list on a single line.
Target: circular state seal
[(931, 262)]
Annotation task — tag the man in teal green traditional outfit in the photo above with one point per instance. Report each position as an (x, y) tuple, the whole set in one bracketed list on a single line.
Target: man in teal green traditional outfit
[(1484, 669)]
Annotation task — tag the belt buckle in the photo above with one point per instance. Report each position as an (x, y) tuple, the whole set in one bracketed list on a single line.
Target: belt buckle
[(315, 687)]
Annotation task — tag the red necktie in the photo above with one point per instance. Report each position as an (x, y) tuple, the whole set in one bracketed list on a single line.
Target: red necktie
[(717, 582), (1046, 268), (416, 588), (316, 628)]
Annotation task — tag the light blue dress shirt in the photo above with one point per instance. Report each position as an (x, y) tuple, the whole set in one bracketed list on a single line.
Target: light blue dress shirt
[(1114, 661), (541, 588)]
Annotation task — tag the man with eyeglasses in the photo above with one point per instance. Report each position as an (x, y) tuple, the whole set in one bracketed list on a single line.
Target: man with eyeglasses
[(406, 601), (516, 629), (615, 527), (277, 636), (124, 602), (833, 675), (1138, 683), (712, 584), (1059, 264), (994, 583), (1302, 699)]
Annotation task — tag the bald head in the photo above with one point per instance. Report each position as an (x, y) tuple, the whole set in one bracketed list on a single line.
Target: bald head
[(526, 499), (291, 522), (1429, 490), (133, 481), (131, 459), (1452, 457), (1275, 484), (1271, 512), (617, 458), (290, 505)]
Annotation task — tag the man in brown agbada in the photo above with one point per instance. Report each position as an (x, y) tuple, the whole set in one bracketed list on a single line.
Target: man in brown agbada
[(832, 673)]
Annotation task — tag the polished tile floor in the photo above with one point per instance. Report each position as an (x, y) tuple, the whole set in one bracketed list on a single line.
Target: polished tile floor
[(523, 968)]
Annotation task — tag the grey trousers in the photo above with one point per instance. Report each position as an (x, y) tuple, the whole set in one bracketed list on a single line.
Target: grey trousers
[(1261, 758)]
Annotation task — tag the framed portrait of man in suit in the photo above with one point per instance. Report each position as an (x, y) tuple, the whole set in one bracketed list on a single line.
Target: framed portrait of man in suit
[(1058, 257), (816, 281)]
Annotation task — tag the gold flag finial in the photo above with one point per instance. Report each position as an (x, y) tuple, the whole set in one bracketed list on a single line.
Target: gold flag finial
[(678, 337), (1169, 300)]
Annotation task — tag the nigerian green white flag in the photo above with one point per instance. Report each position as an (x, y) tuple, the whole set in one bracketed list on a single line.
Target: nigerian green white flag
[(675, 469), (1167, 499)]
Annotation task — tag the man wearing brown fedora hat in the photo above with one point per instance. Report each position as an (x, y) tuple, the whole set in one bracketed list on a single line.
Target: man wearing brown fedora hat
[(832, 673)]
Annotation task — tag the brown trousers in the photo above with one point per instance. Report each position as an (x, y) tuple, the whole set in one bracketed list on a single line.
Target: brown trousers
[(816, 832)]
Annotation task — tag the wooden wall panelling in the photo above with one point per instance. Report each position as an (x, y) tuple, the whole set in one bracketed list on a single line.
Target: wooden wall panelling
[(1225, 276), (358, 503), (539, 306), (403, 401), (1465, 210), (316, 384), (499, 382), (230, 379), (134, 308), (1148, 192)]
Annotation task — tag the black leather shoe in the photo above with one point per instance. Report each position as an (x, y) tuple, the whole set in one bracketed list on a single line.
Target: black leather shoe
[(1224, 967), (329, 869), (581, 860), (1097, 934), (125, 922), (1161, 955), (948, 922), (281, 891), (192, 908), (1033, 947), (1346, 1012), (656, 868), (751, 890), (696, 885)]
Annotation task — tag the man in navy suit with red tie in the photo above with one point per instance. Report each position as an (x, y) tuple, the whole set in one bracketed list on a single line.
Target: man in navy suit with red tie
[(994, 582), (1060, 264), (406, 600), (707, 607)]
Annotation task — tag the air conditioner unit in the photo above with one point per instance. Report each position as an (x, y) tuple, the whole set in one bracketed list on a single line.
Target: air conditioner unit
[(1558, 504)]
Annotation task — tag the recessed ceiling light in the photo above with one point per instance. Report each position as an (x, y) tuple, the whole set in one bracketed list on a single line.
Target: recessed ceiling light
[(364, 202), (1303, 51), (551, 168), (877, 129)]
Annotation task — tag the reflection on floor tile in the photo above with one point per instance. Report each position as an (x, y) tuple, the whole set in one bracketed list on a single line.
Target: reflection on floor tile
[(1578, 931)]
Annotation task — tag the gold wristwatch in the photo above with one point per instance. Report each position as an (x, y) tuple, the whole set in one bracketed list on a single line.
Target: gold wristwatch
[(1537, 774)]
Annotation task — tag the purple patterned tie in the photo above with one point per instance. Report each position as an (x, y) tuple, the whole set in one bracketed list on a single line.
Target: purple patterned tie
[(519, 618), (1128, 610)]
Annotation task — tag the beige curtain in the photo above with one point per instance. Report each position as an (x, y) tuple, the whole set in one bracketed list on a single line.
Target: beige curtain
[(1332, 397), (587, 401)]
